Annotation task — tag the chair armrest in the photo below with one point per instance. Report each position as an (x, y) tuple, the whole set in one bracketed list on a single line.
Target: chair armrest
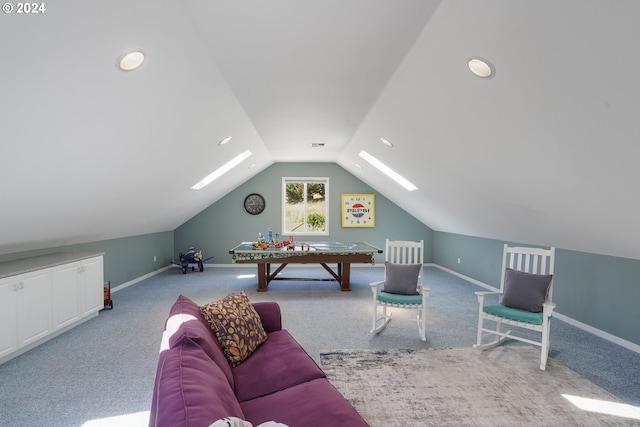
[(482, 294), (424, 291), (376, 284), (270, 315), (485, 293)]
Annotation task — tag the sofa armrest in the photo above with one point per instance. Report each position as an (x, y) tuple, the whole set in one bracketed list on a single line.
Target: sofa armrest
[(270, 316)]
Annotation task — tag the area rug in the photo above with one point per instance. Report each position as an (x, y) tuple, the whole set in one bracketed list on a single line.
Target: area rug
[(464, 387)]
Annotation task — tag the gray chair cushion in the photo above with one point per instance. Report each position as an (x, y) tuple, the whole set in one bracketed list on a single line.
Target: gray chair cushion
[(525, 291), (401, 278)]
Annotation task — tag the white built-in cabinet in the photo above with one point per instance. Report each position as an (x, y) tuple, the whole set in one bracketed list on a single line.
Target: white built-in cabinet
[(44, 296), (76, 294), (8, 318)]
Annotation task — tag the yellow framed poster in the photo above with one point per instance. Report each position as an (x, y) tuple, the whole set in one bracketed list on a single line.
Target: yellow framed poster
[(358, 210)]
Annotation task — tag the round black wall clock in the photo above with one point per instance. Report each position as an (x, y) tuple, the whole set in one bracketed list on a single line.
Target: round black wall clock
[(254, 203)]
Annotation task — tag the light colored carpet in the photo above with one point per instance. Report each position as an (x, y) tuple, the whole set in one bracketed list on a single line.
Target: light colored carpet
[(464, 387)]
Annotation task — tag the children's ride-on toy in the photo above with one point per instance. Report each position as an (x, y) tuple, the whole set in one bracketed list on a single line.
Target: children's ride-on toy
[(191, 258)]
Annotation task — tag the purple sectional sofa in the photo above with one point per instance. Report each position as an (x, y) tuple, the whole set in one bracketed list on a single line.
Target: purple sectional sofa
[(195, 385)]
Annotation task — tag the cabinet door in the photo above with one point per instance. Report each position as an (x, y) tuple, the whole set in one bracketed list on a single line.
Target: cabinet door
[(8, 327), (66, 295), (92, 283), (34, 306)]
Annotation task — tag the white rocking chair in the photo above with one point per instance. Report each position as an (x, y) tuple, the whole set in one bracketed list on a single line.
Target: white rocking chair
[(403, 284), (526, 290)]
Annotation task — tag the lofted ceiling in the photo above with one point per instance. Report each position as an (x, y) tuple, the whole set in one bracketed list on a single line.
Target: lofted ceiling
[(545, 152)]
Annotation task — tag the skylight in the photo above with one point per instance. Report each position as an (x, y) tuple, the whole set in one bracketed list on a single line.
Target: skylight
[(222, 170), (387, 171)]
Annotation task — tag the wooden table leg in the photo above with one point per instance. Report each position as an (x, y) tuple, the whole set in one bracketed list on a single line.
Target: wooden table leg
[(345, 283), (262, 277)]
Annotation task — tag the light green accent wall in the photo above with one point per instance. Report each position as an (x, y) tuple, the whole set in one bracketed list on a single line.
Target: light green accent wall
[(225, 224), (480, 259), (125, 259), (598, 290), (601, 291)]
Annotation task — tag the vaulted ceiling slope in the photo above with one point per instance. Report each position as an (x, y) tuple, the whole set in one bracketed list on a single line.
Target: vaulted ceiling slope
[(545, 152)]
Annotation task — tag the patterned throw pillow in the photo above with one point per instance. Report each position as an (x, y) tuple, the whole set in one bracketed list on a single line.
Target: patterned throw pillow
[(236, 324)]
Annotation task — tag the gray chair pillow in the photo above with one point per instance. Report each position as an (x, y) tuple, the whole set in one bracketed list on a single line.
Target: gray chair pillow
[(525, 291), (401, 278)]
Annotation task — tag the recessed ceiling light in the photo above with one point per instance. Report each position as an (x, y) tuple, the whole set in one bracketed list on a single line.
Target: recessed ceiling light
[(387, 171), (386, 142), (317, 144), (225, 140), (131, 60), (481, 68), (358, 165)]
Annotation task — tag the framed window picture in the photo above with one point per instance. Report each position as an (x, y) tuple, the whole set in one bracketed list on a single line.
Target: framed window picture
[(358, 210)]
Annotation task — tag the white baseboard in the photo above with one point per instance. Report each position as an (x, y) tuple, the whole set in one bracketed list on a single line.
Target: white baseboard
[(468, 279), (597, 332), (139, 279), (48, 337)]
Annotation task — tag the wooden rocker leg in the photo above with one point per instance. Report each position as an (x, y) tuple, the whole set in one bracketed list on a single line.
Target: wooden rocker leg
[(380, 322), (544, 355), (499, 337), (494, 343), (544, 350), (422, 324), (480, 325)]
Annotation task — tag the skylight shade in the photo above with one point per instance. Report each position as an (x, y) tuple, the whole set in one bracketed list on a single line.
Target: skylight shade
[(387, 171), (222, 170)]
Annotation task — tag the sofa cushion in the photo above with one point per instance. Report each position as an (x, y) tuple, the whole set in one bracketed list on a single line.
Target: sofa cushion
[(315, 403), (192, 390), (236, 324), (277, 364), (270, 315), (185, 319)]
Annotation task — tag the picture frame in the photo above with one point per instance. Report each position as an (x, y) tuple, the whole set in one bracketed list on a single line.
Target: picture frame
[(358, 210)]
